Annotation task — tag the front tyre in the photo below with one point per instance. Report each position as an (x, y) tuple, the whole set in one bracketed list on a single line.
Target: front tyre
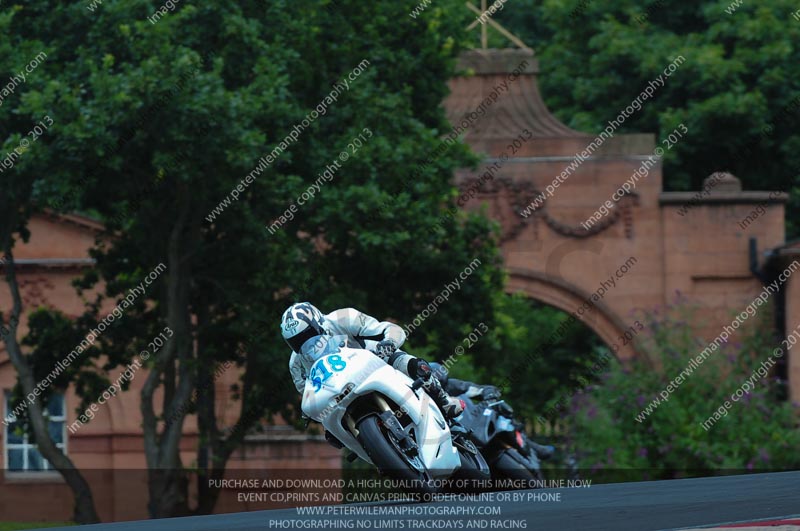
[(510, 465), (391, 461), (474, 471)]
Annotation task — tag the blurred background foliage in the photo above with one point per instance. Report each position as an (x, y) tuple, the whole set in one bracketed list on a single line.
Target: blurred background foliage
[(759, 432), (155, 124)]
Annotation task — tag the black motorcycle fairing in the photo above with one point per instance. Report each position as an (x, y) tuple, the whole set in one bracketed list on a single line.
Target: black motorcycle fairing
[(483, 428)]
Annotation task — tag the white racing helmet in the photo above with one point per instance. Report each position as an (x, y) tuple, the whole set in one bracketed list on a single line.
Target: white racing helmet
[(300, 322)]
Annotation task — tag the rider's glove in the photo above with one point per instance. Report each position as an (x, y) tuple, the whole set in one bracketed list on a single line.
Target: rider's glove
[(385, 348), (490, 392)]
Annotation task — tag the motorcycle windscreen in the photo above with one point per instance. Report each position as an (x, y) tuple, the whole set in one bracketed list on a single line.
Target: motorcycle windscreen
[(320, 346)]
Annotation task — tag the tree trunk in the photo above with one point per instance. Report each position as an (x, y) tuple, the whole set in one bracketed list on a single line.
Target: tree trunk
[(84, 511), (167, 484), (222, 446), (168, 489), (207, 449)]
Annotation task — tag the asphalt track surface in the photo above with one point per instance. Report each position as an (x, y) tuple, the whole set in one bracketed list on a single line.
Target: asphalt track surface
[(642, 506)]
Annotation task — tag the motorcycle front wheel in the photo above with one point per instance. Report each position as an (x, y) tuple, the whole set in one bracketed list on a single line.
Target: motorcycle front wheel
[(473, 465), (507, 467), (390, 459), (473, 475)]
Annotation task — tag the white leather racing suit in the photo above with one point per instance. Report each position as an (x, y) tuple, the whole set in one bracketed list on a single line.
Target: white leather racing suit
[(360, 328)]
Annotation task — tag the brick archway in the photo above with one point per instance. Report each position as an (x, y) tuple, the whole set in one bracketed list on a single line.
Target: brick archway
[(569, 299), (687, 242)]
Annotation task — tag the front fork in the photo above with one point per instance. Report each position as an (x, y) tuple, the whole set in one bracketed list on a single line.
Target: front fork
[(391, 423)]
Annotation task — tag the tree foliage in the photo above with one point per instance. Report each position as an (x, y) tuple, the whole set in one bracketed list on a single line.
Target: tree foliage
[(755, 430), (738, 92), (538, 357), (156, 124), (24, 126)]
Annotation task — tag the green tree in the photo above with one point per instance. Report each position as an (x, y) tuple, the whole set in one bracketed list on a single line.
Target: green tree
[(738, 92), (538, 356), (158, 123), (693, 431), (25, 129)]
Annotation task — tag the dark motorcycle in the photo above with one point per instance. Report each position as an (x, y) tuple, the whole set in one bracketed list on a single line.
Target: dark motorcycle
[(501, 438)]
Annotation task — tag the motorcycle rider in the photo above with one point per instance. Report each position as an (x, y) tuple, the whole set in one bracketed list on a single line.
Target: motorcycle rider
[(454, 386), (471, 390), (303, 321)]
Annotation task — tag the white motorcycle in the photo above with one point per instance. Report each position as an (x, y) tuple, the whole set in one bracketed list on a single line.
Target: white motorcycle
[(385, 418)]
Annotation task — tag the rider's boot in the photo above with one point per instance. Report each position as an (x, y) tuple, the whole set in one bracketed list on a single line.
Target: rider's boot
[(419, 368), (544, 452), (450, 406)]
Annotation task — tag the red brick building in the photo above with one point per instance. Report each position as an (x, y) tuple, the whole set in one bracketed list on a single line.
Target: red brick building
[(109, 449)]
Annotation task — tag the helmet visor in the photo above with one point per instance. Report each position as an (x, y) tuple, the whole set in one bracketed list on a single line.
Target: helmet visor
[(295, 342)]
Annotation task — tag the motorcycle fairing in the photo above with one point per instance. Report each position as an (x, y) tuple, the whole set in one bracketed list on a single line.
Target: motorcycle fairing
[(327, 400)]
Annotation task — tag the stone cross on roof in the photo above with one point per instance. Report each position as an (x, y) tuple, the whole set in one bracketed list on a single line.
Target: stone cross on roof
[(484, 19)]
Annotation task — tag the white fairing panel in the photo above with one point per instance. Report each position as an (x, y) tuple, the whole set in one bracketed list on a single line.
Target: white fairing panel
[(335, 380)]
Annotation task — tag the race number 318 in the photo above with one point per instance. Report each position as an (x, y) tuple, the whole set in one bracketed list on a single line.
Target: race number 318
[(324, 369)]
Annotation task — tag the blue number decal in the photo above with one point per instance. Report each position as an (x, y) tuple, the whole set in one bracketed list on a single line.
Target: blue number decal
[(315, 380), (336, 364)]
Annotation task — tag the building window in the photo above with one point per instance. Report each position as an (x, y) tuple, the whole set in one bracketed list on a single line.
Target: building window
[(23, 456)]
